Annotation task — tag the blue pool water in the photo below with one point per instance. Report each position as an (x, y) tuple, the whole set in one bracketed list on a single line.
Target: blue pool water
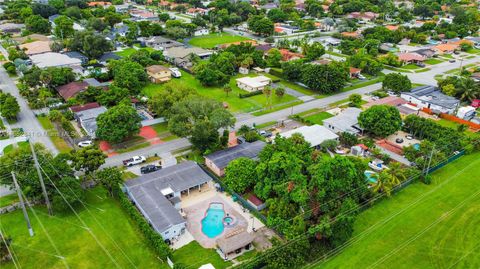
[(212, 224), (369, 176), (416, 146)]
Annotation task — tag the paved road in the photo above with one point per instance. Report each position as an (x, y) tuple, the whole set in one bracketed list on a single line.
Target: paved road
[(25, 119), (158, 149)]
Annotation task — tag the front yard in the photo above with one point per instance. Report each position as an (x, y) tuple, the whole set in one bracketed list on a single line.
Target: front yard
[(58, 141), (433, 61), (213, 40), (235, 104)]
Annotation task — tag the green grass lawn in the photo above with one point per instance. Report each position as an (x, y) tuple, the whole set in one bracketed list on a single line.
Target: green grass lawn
[(162, 131), (107, 221), (433, 61), (318, 117), (410, 67), (212, 40), (194, 256), (235, 104), (8, 199), (126, 52), (59, 143), (9, 148), (423, 226)]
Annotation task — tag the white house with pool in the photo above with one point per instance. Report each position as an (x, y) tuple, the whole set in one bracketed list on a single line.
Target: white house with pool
[(158, 196)]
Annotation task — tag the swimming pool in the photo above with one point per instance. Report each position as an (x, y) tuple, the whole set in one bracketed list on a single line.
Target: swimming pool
[(212, 223), (370, 178), (416, 146)]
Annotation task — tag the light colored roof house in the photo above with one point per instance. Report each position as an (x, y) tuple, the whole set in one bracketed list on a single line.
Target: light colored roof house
[(159, 73), (12, 27), (251, 84), (157, 195), (363, 16), (315, 134), (162, 43), (232, 245), (50, 59), (430, 97), (411, 57), (36, 47), (143, 15), (217, 161), (345, 121), (88, 119)]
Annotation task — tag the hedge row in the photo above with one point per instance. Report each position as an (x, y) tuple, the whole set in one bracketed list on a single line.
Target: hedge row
[(154, 239), (245, 95), (276, 72)]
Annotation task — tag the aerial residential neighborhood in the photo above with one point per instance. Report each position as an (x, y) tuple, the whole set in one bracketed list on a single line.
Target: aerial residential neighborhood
[(239, 134)]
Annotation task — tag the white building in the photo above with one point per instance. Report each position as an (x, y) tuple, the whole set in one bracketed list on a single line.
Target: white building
[(251, 84), (466, 112), (53, 59), (432, 98), (201, 31), (315, 134), (345, 121)]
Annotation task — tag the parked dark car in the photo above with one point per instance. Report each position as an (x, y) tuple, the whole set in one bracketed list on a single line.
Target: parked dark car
[(149, 169)]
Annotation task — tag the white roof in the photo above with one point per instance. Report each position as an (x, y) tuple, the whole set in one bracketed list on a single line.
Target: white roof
[(315, 134), (255, 82), (54, 59), (207, 266)]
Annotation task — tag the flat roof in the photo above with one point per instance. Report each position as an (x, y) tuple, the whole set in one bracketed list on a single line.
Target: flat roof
[(54, 59), (222, 158), (345, 120), (254, 82), (431, 94), (315, 134)]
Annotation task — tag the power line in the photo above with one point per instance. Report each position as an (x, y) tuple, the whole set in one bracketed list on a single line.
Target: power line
[(8, 249), (95, 219), (81, 220)]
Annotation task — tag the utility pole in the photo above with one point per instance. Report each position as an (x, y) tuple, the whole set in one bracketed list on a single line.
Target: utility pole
[(430, 160), (40, 176), (22, 204)]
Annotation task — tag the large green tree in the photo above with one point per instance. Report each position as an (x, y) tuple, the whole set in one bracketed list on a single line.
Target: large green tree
[(110, 178), (325, 78), (261, 25), (200, 119), (128, 74), (88, 159), (380, 120), (163, 101), (37, 24), (240, 174), (397, 83), (91, 44), (63, 27), (9, 107), (118, 123)]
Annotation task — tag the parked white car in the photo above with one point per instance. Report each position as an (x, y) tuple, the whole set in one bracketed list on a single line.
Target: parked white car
[(85, 143), (175, 72), (134, 160)]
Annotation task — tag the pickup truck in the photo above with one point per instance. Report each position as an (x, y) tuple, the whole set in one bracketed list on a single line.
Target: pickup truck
[(134, 160)]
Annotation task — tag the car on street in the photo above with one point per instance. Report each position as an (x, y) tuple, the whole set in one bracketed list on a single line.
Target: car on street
[(421, 64), (85, 143), (134, 160), (149, 168), (451, 60)]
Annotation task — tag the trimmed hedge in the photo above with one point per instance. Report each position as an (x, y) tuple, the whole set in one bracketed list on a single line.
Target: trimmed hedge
[(276, 72), (154, 239), (245, 95)]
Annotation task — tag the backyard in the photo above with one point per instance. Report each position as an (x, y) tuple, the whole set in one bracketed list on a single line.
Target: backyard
[(423, 226), (212, 40), (194, 254), (235, 103), (107, 221)]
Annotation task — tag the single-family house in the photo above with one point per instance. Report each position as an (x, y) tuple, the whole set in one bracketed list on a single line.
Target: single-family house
[(264, 47), (355, 72), (71, 89), (162, 43), (234, 244), (426, 52), (289, 56), (76, 26), (251, 84), (314, 134), (87, 119), (410, 57), (36, 47), (54, 59), (217, 161), (117, 31), (226, 45), (365, 16), (432, 98), (287, 29), (345, 121), (108, 56), (12, 27), (123, 8), (351, 34), (269, 6), (475, 40), (448, 48), (77, 55), (143, 15), (158, 196), (87, 106), (326, 41), (194, 11), (158, 73), (181, 56), (392, 27)]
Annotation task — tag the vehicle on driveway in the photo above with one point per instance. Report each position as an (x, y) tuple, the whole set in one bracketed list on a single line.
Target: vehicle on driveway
[(175, 72), (134, 160), (85, 143), (149, 168), (451, 60)]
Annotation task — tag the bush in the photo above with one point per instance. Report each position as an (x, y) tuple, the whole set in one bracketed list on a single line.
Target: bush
[(276, 72), (245, 95), (154, 239)]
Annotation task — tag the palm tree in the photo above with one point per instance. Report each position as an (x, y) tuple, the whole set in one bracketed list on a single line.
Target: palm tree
[(470, 92), (397, 173), (383, 183), (268, 92), (227, 89)]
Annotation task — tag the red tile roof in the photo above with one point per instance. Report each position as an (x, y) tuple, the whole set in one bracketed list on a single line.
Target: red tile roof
[(407, 57), (84, 107), (288, 55), (71, 89), (254, 199)]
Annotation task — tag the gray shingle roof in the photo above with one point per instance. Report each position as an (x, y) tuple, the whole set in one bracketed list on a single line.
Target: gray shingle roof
[(431, 94), (146, 192), (223, 157)]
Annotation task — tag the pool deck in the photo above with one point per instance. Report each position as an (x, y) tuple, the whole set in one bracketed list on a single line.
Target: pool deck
[(196, 204)]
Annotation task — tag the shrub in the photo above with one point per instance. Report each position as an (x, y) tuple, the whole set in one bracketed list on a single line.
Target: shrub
[(245, 95)]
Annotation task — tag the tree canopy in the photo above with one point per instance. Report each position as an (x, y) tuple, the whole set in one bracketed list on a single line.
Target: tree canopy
[(380, 120), (118, 123), (397, 83)]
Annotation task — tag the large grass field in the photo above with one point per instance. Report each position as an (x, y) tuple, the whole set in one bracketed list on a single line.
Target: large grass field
[(423, 226), (235, 104), (107, 221), (212, 40)]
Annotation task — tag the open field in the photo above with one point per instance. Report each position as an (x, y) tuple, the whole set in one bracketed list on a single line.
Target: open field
[(235, 104), (423, 226), (107, 221), (212, 40)]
